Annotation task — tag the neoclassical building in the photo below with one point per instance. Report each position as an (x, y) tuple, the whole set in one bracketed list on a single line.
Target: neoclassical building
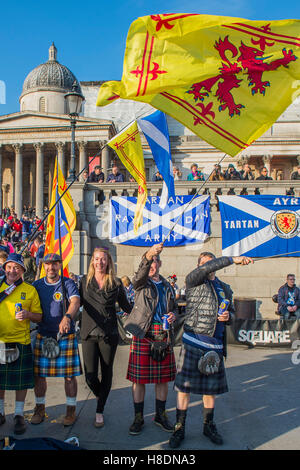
[(31, 138)]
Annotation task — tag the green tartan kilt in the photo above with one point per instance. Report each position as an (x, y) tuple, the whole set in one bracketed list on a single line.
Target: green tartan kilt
[(18, 375)]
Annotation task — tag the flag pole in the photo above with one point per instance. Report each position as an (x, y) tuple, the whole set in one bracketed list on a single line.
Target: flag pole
[(276, 256), (195, 195), (60, 250), (32, 236)]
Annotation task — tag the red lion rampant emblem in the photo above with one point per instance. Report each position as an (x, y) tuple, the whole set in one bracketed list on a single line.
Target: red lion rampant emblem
[(248, 60)]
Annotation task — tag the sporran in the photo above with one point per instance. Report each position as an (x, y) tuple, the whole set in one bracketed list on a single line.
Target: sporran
[(50, 347), (158, 350), (9, 352), (209, 363)]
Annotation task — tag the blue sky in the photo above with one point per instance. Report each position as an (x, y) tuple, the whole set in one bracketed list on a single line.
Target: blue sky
[(90, 35)]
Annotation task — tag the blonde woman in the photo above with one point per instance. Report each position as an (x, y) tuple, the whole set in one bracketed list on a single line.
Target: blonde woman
[(100, 289)]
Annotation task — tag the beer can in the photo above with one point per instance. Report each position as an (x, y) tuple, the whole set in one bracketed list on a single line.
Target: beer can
[(18, 308), (166, 325), (223, 306)]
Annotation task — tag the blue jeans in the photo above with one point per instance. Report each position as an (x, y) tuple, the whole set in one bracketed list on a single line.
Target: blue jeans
[(290, 315)]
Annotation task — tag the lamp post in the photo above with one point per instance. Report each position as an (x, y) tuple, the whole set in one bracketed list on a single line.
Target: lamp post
[(74, 102)]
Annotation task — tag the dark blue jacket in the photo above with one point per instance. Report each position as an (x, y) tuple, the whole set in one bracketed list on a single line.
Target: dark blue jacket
[(283, 295)]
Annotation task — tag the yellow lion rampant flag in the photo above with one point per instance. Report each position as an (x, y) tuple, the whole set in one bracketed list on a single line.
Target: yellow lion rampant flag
[(226, 79), (63, 215), (128, 147)]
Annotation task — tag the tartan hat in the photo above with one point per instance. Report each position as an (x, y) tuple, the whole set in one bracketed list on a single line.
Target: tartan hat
[(15, 258), (51, 258)]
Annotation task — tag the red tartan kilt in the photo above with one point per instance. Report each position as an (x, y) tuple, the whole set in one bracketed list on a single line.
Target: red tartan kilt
[(142, 369)]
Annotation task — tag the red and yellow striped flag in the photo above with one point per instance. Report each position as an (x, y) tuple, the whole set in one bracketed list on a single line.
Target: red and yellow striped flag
[(64, 215)]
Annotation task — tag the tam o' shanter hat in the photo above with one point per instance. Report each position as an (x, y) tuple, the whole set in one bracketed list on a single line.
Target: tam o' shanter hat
[(51, 258)]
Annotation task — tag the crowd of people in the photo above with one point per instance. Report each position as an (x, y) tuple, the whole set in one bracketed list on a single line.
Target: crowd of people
[(230, 173), (52, 303)]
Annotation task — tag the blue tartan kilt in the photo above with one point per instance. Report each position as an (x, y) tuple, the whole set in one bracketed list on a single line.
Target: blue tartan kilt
[(190, 380), (67, 364)]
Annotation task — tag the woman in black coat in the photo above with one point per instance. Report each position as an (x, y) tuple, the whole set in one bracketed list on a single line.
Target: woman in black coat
[(100, 289)]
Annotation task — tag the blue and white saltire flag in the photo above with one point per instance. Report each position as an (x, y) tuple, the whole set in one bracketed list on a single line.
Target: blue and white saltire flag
[(193, 226), (260, 226), (155, 129)]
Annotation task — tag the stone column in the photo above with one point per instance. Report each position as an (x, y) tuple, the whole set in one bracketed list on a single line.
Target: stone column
[(267, 163), (39, 178), (1, 179), (5, 189), (51, 164), (242, 160), (82, 155), (18, 179), (60, 146), (105, 158), (32, 183)]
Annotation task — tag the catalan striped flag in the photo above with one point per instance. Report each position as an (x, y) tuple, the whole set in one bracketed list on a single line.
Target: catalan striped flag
[(61, 221), (128, 146)]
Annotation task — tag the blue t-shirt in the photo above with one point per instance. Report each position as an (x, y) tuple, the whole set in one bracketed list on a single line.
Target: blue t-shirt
[(219, 331), (51, 301), (26, 225), (161, 308), (291, 298)]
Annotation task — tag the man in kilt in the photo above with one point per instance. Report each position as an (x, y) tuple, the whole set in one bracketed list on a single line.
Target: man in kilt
[(204, 333), (154, 298), (67, 364), (16, 360)]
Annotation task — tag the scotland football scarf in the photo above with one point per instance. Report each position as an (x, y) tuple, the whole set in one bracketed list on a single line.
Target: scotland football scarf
[(9, 289)]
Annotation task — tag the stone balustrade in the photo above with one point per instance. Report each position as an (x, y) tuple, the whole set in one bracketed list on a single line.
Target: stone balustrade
[(88, 197)]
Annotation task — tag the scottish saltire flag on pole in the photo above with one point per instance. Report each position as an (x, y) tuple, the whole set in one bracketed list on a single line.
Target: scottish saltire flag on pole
[(128, 146), (155, 129), (192, 227), (64, 214), (260, 226), (227, 79)]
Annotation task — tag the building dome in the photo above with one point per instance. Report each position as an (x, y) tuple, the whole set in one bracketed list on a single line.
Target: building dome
[(50, 76), (45, 86)]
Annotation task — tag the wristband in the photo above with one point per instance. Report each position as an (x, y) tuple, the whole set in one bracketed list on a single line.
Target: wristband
[(68, 316)]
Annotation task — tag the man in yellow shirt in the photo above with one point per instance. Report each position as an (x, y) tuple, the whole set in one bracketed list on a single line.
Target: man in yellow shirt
[(15, 333)]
